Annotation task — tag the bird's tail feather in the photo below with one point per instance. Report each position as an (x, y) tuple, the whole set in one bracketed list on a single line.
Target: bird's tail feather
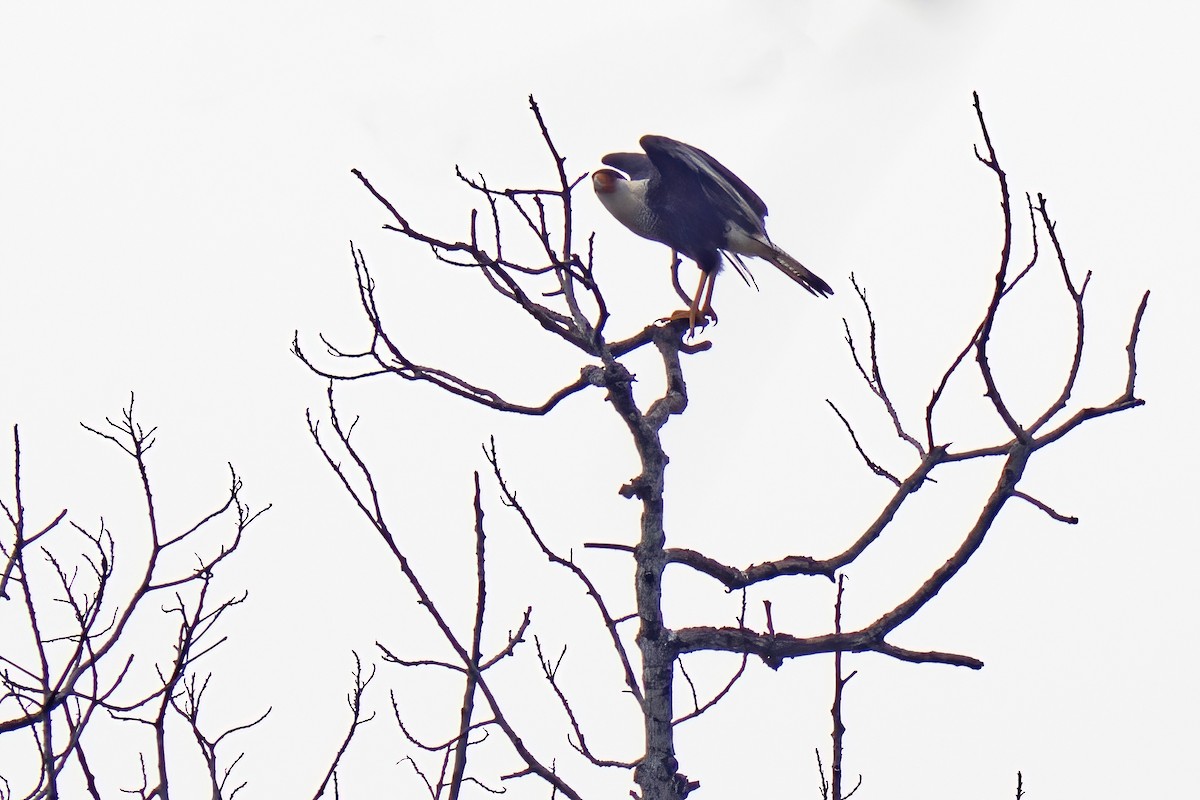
[(739, 266), (743, 243), (798, 272)]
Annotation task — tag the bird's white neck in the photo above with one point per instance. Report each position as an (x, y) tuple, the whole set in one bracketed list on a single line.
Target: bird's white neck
[(627, 202)]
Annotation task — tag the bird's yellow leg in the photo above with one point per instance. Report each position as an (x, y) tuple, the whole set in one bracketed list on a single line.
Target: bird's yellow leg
[(707, 310), (675, 262), (704, 276), (693, 313), (697, 314)]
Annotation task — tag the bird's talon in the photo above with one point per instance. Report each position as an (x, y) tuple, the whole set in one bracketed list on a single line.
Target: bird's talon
[(694, 324)]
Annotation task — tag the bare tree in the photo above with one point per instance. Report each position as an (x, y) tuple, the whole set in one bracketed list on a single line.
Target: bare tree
[(76, 667), (560, 294)]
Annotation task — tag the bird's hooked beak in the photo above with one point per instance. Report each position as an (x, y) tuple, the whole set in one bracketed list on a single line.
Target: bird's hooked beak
[(604, 181)]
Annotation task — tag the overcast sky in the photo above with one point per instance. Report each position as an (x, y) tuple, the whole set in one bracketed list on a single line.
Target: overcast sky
[(176, 201)]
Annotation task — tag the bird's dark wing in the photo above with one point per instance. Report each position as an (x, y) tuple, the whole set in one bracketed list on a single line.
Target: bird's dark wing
[(636, 165), (686, 164)]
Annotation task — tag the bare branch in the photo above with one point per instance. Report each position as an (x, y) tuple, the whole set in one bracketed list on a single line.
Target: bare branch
[(874, 467), (985, 333), (874, 379), (724, 691), (610, 624), (468, 703), (354, 701), (775, 648), (839, 686), (369, 504), (387, 358), (550, 673), (1047, 509)]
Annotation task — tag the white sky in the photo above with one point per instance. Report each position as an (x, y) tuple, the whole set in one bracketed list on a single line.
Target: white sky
[(176, 201)]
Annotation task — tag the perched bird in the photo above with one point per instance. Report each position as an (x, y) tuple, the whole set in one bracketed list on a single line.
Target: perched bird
[(684, 198)]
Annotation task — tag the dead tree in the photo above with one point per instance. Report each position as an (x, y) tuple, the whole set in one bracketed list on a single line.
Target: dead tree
[(560, 294), (77, 669)]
